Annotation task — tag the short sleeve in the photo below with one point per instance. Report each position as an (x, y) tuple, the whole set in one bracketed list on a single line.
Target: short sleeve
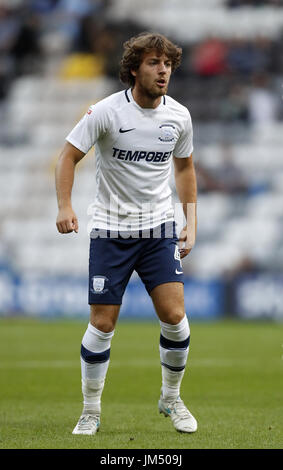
[(184, 145), (89, 129)]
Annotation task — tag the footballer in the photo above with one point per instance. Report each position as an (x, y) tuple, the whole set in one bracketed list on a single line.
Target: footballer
[(137, 132)]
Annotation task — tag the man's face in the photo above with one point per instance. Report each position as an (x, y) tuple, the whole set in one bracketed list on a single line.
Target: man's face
[(153, 75)]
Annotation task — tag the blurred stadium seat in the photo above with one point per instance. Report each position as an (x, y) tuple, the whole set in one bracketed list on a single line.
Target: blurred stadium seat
[(40, 105)]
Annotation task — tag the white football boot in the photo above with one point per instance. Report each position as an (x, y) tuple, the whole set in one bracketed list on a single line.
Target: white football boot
[(87, 424), (182, 419)]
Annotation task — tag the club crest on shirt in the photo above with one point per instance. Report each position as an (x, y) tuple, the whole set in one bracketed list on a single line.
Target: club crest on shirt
[(98, 284), (166, 133)]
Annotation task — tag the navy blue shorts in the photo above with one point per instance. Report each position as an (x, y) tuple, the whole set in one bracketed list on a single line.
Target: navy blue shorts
[(113, 260)]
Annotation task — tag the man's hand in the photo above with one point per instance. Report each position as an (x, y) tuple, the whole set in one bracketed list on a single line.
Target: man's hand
[(67, 221), (186, 242)]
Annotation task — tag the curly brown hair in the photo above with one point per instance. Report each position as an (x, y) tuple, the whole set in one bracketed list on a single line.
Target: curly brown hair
[(145, 42)]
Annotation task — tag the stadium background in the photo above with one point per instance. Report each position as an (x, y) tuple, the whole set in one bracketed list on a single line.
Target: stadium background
[(56, 58)]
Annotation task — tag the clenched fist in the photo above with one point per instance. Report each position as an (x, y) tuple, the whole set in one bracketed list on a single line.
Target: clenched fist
[(67, 221)]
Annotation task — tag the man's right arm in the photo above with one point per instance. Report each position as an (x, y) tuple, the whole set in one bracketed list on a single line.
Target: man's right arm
[(66, 221)]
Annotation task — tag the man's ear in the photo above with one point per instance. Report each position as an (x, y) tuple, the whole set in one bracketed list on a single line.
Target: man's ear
[(134, 72)]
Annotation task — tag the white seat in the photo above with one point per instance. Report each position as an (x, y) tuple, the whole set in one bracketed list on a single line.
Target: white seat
[(213, 259), (257, 237), (265, 205)]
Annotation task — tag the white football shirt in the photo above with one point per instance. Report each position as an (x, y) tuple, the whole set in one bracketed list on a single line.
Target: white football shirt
[(134, 148)]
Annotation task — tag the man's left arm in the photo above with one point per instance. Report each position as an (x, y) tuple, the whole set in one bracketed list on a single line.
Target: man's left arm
[(186, 186)]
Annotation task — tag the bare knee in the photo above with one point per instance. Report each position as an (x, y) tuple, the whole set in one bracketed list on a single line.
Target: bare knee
[(103, 325), (168, 300), (172, 317), (104, 317)]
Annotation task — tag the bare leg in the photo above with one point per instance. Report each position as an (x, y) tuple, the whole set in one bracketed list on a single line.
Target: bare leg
[(168, 300), (104, 317)]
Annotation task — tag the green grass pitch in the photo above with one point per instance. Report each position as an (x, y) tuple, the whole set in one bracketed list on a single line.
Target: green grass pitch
[(233, 385)]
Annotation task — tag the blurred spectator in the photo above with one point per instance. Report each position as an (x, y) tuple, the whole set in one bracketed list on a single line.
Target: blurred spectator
[(226, 178), (262, 102), (233, 107), (276, 55), (10, 26), (104, 39), (70, 14), (206, 181), (26, 49), (247, 57), (230, 174), (246, 265), (43, 6), (209, 57)]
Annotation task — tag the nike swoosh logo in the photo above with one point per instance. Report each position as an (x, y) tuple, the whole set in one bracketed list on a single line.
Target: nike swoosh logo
[(178, 272), (126, 130)]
